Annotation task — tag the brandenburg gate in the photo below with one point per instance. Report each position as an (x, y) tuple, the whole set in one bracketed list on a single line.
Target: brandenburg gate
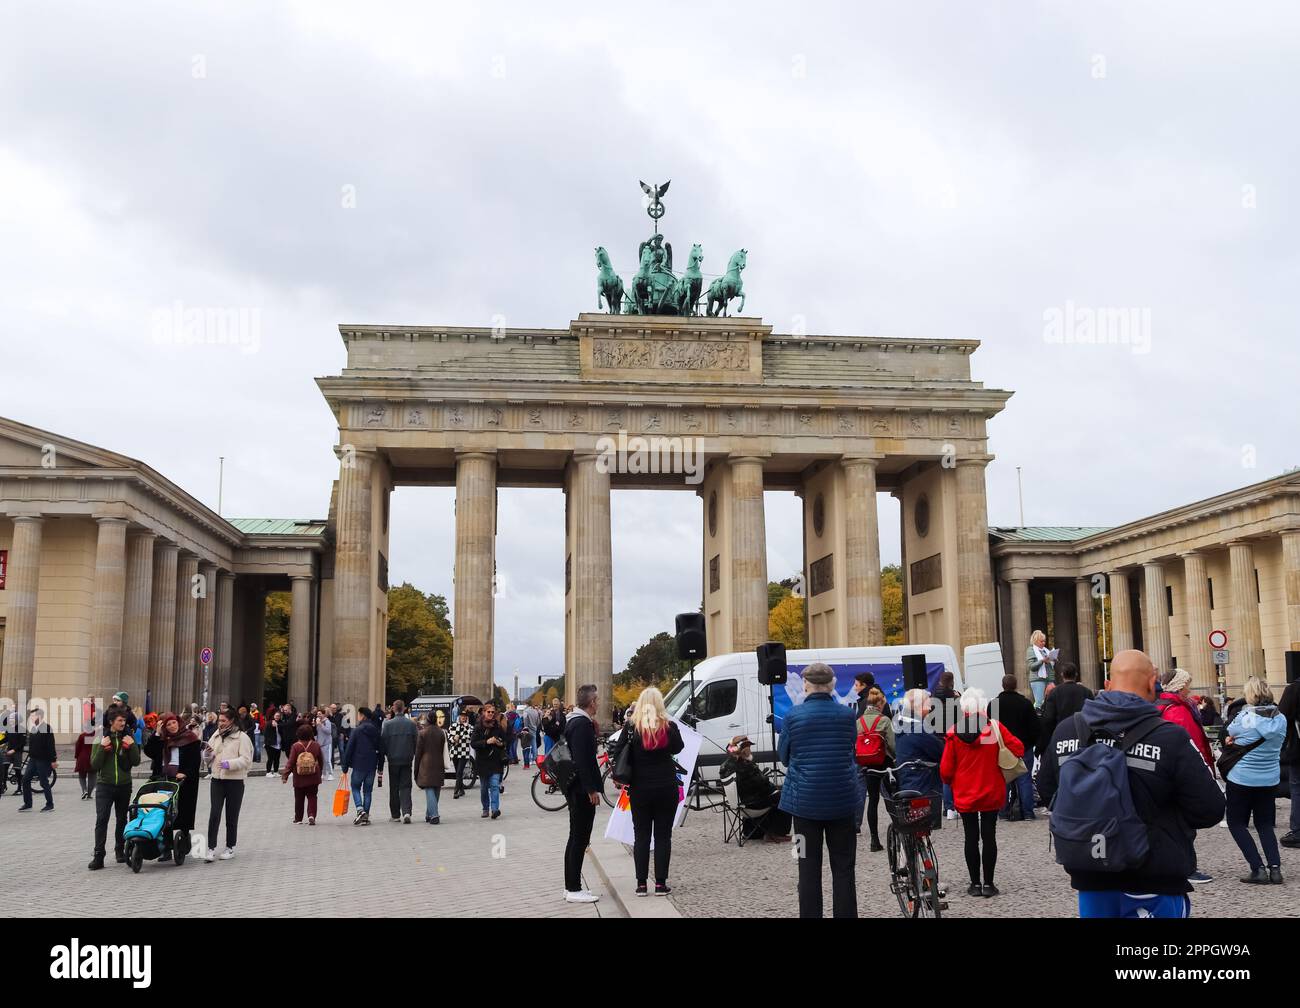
[(653, 395)]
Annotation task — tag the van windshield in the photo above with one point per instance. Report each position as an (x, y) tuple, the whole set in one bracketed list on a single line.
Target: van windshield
[(675, 702)]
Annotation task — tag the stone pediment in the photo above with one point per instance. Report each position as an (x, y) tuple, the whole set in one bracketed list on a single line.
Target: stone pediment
[(23, 447)]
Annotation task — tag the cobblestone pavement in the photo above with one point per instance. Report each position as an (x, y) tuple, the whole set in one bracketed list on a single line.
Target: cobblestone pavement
[(466, 865), (759, 880)]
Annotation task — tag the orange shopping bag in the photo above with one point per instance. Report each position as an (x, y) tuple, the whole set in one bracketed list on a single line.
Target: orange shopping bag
[(341, 797)]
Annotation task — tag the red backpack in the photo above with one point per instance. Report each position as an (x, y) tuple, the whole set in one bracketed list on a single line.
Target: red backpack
[(869, 750)]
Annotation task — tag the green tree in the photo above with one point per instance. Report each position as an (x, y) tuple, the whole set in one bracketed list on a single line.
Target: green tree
[(275, 668), (653, 662), (419, 642), (891, 600), (776, 591)]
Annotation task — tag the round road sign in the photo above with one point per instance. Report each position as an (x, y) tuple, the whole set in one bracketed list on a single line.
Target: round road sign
[(1218, 639), (205, 656)]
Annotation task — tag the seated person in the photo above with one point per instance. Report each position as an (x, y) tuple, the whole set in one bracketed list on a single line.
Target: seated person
[(915, 738), (755, 790)]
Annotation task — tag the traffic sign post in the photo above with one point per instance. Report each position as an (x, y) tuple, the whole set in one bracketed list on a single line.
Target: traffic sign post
[(1219, 643), (205, 656)]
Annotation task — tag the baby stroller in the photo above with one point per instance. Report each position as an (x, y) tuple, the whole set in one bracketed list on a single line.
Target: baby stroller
[(152, 824)]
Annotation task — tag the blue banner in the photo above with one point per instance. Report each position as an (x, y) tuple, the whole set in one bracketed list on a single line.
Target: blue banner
[(889, 678)]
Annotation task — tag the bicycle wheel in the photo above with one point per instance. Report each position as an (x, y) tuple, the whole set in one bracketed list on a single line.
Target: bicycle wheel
[(898, 870), (505, 771), (608, 789), (548, 796), (468, 776), (925, 873)]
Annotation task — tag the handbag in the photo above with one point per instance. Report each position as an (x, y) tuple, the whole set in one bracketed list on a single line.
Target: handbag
[(1011, 765), (341, 797), (1232, 754), (622, 771), (559, 764)]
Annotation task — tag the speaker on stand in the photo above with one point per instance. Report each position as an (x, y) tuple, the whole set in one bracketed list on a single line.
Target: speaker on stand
[(692, 645), (914, 673), (772, 672)]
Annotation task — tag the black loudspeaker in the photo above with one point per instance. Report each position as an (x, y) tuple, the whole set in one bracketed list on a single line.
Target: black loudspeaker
[(914, 674), (771, 663), (1292, 666), (691, 642)]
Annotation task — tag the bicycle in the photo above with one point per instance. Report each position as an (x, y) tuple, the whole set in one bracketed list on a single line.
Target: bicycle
[(469, 777), (548, 796), (913, 864), (16, 770)]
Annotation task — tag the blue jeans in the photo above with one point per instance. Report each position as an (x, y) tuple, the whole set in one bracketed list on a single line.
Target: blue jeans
[(431, 802), (1039, 687), (37, 768), (530, 754), (257, 747), (948, 805), (489, 789), (1120, 904), (362, 785), (1023, 786), (514, 749)]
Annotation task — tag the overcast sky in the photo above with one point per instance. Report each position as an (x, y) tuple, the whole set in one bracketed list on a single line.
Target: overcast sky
[(994, 171)]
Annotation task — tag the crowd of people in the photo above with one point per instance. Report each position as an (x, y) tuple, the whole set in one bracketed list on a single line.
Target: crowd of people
[(1008, 757), (988, 760)]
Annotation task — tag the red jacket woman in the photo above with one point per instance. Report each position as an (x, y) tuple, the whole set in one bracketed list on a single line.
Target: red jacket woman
[(1175, 705), (970, 765)]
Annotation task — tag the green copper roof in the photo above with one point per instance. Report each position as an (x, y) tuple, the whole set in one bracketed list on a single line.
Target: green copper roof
[(277, 526), (1045, 533)]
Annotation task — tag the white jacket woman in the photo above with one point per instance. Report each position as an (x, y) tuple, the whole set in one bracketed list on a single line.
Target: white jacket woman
[(231, 755)]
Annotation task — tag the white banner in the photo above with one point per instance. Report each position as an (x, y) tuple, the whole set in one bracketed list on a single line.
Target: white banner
[(620, 828)]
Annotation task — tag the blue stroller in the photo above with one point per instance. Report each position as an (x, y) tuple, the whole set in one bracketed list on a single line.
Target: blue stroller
[(151, 825)]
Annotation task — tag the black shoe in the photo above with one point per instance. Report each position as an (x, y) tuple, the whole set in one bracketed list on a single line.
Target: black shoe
[(24, 808), (876, 846), (662, 889), (1291, 839), (119, 856), (48, 808), (484, 815), (96, 862), (990, 890), (974, 889), (1275, 874), (1257, 877), (435, 820), (496, 814)]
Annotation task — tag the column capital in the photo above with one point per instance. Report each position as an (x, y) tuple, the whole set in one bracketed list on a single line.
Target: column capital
[(1184, 554), (1017, 580), (972, 460), (167, 545), (369, 454), (302, 577), (141, 533), (28, 517), (107, 519), (225, 575), (750, 457), (207, 566), (862, 460), (1148, 564), (490, 454)]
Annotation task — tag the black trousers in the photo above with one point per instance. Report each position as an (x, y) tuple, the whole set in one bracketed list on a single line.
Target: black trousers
[(272, 759), (874, 783), (1244, 802), (230, 794), (839, 836), (653, 809), (459, 763), (582, 814), (108, 799), (981, 828), (399, 794)]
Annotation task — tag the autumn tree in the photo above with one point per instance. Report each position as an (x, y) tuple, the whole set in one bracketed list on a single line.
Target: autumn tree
[(419, 642), (785, 623), (276, 664), (891, 603)]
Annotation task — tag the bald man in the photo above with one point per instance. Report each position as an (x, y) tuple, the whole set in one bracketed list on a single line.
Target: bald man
[(1172, 789)]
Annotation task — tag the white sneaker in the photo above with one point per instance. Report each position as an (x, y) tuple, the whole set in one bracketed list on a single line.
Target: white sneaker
[(270, 773), (226, 854), (406, 818), (210, 856), (952, 814), (329, 776), (581, 896)]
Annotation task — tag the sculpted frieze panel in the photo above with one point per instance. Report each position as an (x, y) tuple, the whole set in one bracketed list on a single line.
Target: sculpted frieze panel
[(670, 355)]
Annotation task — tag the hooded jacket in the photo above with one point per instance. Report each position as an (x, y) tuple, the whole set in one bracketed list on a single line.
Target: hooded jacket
[(1173, 790), (362, 754), (1178, 709), (970, 764), (1259, 767), (112, 766)]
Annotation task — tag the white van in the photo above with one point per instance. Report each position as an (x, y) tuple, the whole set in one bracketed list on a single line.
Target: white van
[(730, 701)]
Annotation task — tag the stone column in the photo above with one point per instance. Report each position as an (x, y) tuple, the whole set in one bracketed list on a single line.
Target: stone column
[(299, 672), (1121, 613), (1086, 629), (1291, 586), (1246, 643), (974, 577), (862, 555), (22, 587), (354, 581), (225, 641), (1196, 591), (748, 554), (162, 626), (592, 623), (1155, 617), (186, 658), (476, 519), (206, 632), (106, 627), (135, 620), (1020, 628)]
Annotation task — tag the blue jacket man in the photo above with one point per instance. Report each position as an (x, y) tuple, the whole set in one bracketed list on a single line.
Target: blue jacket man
[(821, 791), (362, 758)]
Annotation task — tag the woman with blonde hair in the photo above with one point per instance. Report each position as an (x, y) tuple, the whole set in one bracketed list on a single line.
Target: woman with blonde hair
[(1255, 738), (1041, 665), (651, 741)]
